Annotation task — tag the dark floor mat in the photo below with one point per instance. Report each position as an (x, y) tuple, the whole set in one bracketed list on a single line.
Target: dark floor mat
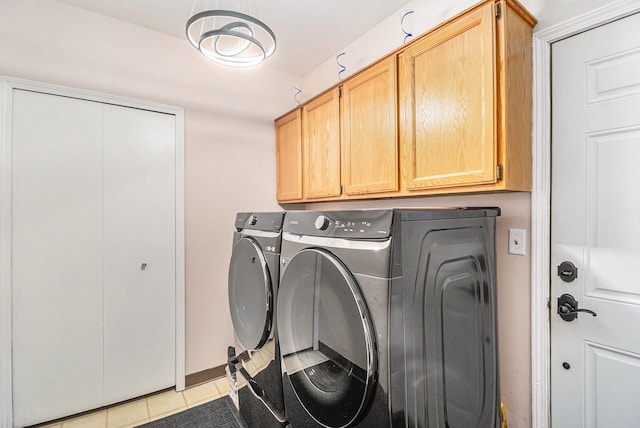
[(220, 413)]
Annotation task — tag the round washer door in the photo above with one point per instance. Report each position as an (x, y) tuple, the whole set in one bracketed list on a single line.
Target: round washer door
[(327, 338), (250, 294)]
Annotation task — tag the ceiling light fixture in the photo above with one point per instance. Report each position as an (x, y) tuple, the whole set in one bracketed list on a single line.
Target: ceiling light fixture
[(230, 37)]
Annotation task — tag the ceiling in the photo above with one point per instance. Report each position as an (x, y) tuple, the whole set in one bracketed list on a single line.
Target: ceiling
[(307, 32)]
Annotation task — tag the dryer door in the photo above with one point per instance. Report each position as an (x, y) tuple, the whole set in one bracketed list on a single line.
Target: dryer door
[(250, 294), (327, 338)]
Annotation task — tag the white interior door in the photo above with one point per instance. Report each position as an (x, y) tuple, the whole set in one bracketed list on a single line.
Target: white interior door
[(56, 256), (139, 252), (595, 361)]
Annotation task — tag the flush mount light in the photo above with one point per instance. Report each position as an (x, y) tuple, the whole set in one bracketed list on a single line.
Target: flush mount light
[(229, 37)]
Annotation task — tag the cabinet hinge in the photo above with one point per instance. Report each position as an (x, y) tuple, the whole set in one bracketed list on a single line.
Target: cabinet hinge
[(342, 186), (340, 92), (500, 172), (498, 10)]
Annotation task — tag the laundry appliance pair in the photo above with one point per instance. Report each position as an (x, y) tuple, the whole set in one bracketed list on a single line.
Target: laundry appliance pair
[(386, 317)]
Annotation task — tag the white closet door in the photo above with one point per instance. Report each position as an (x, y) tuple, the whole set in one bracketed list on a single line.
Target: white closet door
[(139, 252), (56, 256)]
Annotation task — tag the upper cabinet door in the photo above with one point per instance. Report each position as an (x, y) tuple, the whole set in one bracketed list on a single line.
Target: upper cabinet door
[(321, 147), (447, 105), (289, 157), (368, 117)]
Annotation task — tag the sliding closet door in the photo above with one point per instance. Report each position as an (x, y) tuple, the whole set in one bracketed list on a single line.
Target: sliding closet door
[(56, 256), (139, 252)]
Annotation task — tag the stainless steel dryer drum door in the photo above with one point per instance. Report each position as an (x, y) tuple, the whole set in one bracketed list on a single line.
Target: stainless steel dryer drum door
[(250, 294), (327, 338)]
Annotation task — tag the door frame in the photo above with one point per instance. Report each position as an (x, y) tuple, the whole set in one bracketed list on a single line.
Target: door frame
[(541, 197), (7, 86)]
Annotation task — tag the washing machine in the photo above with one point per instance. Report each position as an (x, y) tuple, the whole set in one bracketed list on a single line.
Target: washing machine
[(386, 318), (333, 316), (254, 365)]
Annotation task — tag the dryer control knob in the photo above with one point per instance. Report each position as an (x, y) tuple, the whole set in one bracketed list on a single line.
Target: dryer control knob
[(321, 223), (253, 220)]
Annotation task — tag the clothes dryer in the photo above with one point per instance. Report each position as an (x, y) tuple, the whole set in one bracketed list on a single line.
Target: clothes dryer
[(253, 287), (387, 318), (333, 316)]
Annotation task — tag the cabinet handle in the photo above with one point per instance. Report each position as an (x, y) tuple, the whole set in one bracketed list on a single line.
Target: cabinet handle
[(143, 266)]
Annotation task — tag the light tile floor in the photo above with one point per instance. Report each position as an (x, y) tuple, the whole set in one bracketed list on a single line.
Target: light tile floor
[(147, 409)]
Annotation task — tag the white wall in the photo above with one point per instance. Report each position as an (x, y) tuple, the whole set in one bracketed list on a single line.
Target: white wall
[(229, 136)]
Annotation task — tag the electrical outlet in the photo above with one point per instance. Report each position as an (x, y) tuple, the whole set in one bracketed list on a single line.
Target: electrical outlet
[(517, 241)]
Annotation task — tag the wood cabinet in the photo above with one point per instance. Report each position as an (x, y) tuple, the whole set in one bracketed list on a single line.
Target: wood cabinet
[(368, 123), (447, 103), (465, 103), (449, 112), (347, 138), (289, 157), (321, 146)]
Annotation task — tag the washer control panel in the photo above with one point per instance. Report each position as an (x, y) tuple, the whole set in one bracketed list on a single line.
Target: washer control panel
[(265, 221), (357, 224)]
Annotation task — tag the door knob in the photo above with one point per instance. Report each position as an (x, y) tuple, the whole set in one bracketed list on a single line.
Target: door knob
[(568, 308)]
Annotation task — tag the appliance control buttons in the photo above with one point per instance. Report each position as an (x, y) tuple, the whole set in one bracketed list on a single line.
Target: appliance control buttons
[(253, 220), (321, 222)]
